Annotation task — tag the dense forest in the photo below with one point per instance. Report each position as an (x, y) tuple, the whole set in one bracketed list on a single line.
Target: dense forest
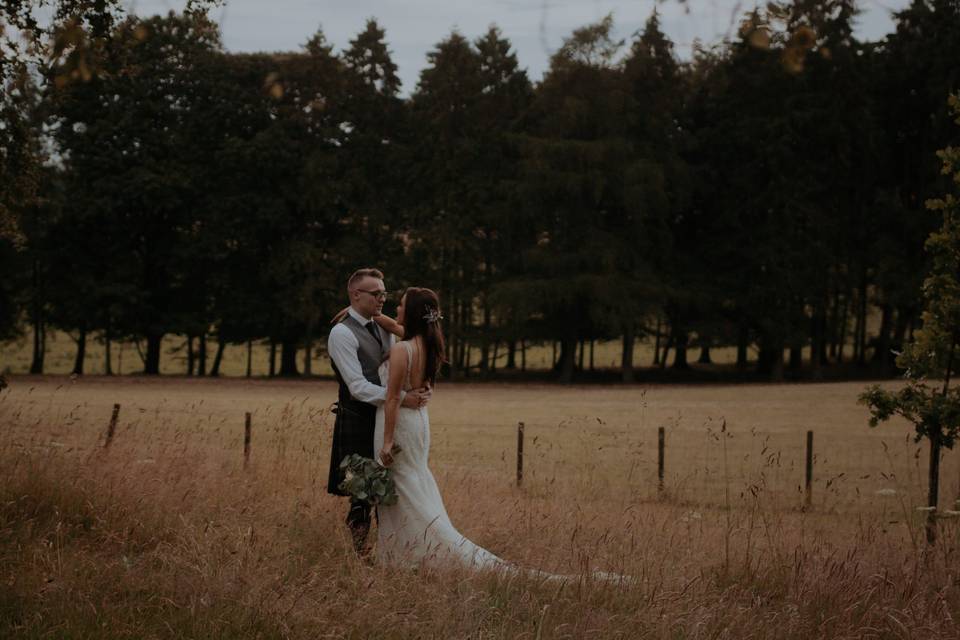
[(767, 194)]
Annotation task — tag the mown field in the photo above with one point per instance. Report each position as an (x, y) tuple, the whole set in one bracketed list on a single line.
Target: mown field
[(166, 535)]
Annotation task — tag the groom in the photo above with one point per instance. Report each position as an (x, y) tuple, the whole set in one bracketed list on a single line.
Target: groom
[(357, 345)]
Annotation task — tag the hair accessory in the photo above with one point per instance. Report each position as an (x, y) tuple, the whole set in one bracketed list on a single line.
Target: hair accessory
[(432, 315)]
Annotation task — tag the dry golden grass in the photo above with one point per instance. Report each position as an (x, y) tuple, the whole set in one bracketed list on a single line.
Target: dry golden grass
[(164, 535)]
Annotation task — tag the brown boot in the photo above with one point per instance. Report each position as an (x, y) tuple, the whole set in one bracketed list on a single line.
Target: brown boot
[(358, 521)]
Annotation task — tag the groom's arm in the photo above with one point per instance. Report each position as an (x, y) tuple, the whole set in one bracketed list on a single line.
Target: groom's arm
[(342, 346)]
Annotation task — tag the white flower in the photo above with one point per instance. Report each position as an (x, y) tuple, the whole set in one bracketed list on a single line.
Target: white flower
[(432, 315)]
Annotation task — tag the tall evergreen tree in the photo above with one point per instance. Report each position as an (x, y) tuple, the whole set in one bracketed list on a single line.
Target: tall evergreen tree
[(586, 196), (656, 86)]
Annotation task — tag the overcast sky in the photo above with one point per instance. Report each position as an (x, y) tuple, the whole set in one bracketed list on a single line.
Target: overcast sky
[(536, 28)]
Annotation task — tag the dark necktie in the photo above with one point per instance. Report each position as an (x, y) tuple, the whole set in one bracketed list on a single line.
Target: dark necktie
[(371, 327)]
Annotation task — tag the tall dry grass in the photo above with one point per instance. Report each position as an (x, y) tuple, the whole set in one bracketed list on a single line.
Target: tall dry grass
[(165, 535)]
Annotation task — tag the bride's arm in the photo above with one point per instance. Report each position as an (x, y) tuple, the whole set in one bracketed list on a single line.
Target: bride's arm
[(340, 315), (389, 324), (398, 367)]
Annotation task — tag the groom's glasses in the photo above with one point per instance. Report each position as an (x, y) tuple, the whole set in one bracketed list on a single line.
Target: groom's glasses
[(379, 294)]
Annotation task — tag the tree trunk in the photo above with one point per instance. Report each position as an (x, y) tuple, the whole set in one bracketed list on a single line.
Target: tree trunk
[(857, 319), (81, 351), (493, 358), (626, 355), (704, 355), (770, 360), (511, 355), (900, 330), (249, 358), (796, 343), (882, 355), (591, 354), (936, 442), (568, 347), (39, 331), (288, 359), (666, 352), (842, 339), (743, 343), (218, 357), (485, 340), (39, 345), (453, 344), (818, 326), (202, 354), (273, 357), (796, 356), (656, 345), (464, 343), (308, 349), (834, 322), (583, 344), (108, 365), (776, 369), (151, 364), (862, 323), (191, 357), (680, 349), (553, 357), (933, 494)]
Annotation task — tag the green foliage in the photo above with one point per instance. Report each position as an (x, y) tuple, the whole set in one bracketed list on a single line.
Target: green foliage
[(766, 193), (934, 411), (366, 481)]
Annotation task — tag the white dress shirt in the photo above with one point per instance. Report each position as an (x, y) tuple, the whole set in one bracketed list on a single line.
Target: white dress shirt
[(342, 345)]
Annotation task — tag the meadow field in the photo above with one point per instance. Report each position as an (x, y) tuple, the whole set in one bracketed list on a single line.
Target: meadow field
[(165, 534)]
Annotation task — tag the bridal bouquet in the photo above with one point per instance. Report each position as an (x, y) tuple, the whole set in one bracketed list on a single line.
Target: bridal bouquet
[(368, 481)]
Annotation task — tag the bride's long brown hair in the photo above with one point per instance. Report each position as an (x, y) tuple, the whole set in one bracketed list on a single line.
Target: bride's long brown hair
[(421, 317)]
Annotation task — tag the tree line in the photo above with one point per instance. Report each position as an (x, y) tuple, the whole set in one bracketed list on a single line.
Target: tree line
[(767, 194)]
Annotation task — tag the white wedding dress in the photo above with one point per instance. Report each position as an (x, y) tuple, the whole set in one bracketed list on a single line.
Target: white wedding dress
[(417, 530)]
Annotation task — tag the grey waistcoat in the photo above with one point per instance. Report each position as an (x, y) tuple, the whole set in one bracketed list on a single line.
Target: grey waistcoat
[(370, 353)]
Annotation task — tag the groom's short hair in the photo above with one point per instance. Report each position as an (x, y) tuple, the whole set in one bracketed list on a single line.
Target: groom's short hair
[(360, 274)]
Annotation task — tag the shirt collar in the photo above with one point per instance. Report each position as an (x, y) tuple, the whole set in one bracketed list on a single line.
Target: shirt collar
[(359, 318)]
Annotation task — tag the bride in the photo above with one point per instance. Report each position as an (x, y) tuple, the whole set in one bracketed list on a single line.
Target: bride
[(416, 529)]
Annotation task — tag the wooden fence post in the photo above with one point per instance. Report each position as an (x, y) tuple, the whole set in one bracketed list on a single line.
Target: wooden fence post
[(808, 500), (519, 453), (661, 445), (112, 428), (246, 441)]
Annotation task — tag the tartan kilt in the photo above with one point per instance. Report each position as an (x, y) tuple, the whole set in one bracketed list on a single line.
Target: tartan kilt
[(352, 433)]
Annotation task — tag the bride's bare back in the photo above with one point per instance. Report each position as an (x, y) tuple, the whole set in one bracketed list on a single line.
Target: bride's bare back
[(418, 366)]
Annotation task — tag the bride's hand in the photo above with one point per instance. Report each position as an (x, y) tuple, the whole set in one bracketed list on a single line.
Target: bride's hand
[(386, 454), (417, 398), (340, 314)]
